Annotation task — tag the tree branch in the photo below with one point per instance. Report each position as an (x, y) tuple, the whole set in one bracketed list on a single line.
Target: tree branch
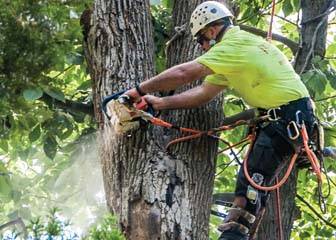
[(315, 212), (324, 99), (330, 9), (69, 105), (17, 221), (289, 43), (287, 20)]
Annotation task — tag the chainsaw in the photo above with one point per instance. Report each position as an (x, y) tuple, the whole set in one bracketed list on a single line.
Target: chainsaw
[(124, 114)]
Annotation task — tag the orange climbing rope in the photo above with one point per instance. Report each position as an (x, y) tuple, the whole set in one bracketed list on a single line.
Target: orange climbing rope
[(270, 29)]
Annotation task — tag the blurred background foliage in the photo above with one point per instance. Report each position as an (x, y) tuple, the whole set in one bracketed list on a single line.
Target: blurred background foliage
[(47, 131)]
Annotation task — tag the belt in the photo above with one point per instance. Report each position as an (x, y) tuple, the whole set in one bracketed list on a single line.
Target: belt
[(290, 110)]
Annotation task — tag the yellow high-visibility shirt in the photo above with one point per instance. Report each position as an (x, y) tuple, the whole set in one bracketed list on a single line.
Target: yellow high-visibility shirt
[(254, 68)]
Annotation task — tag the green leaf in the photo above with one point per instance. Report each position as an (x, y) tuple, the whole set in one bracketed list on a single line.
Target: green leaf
[(287, 7), (73, 14), (35, 133), (85, 85), (331, 76), (296, 5), (13, 215), (4, 145), (24, 154), (5, 185), (32, 94), (315, 81), (55, 93), (50, 147), (75, 58), (167, 3)]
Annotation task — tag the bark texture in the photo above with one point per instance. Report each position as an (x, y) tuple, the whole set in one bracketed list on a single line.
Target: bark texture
[(313, 32), (155, 194), (119, 50), (313, 42)]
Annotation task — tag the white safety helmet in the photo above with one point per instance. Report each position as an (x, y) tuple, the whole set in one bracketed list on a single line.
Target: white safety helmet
[(206, 13)]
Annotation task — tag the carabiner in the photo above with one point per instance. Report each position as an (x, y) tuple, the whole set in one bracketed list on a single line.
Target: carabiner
[(289, 130), (298, 122), (272, 115)]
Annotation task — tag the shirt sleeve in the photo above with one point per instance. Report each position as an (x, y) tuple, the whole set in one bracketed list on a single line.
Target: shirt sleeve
[(216, 79), (224, 58)]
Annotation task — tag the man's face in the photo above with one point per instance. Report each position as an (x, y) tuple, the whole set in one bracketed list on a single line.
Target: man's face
[(204, 38)]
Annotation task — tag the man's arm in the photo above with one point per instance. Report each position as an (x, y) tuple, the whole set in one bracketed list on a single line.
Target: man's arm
[(194, 97), (172, 78)]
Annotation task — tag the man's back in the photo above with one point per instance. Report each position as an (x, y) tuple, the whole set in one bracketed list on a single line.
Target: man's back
[(254, 68)]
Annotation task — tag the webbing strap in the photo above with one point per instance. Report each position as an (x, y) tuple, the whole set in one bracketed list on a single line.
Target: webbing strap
[(233, 225)]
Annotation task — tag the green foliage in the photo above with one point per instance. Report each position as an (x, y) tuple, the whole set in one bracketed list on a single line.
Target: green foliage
[(161, 16), (287, 7), (50, 227), (5, 184), (41, 55), (53, 226), (32, 94), (41, 64), (107, 230)]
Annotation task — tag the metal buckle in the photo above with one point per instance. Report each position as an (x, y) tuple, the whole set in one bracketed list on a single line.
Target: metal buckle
[(272, 115), (297, 117), (289, 131)]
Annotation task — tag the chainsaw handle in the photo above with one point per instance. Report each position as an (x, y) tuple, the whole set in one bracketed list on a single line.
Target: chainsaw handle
[(143, 105)]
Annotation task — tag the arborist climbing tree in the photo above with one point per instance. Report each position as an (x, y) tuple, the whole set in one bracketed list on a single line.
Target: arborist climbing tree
[(134, 202), (263, 77)]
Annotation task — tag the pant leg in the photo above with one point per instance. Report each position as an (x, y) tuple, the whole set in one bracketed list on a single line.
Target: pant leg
[(264, 159)]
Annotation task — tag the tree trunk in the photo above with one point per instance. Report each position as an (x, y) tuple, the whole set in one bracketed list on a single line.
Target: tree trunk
[(289, 212), (119, 50), (156, 195)]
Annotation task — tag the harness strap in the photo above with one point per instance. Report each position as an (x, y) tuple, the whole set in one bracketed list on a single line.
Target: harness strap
[(236, 212), (238, 219), (233, 225)]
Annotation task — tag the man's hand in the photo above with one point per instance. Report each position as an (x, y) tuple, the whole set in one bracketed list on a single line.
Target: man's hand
[(155, 102), (134, 95)]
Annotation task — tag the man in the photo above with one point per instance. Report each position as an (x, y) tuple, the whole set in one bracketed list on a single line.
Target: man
[(259, 73)]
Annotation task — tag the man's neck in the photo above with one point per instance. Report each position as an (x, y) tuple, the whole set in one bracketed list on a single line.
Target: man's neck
[(222, 32)]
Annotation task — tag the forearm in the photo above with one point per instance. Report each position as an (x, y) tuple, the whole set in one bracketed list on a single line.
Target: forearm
[(175, 77), (192, 98)]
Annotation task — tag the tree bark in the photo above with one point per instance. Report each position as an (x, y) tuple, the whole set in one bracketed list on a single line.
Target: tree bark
[(119, 51), (316, 44), (155, 194), (313, 34)]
